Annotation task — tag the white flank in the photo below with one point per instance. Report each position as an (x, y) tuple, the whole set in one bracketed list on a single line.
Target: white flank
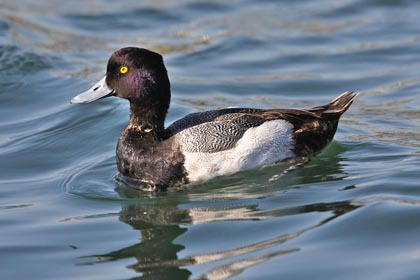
[(263, 145)]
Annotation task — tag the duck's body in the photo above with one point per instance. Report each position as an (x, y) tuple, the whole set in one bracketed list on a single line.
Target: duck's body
[(207, 144)]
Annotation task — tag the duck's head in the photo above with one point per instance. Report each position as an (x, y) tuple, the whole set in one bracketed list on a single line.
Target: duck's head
[(136, 74)]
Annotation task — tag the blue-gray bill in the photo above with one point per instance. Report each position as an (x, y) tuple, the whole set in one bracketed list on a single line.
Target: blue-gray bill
[(97, 91)]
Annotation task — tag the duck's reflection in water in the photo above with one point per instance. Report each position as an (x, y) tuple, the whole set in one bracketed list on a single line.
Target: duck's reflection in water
[(160, 225)]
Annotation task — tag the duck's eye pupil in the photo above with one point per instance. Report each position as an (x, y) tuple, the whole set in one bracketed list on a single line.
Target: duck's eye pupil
[(123, 69)]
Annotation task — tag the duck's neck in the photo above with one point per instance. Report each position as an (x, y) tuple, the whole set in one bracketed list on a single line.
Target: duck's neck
[(147, 119)]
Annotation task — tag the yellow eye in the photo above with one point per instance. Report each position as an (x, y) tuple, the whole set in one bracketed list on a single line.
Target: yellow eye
[(123, 69)]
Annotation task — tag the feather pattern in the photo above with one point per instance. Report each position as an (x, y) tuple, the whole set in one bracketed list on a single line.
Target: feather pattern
[(218, 135), (208, 116)]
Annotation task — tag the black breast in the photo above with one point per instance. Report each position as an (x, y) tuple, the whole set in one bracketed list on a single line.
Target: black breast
[(149, 162)]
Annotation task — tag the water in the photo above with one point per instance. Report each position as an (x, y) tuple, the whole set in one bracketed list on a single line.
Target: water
[(350, 213)]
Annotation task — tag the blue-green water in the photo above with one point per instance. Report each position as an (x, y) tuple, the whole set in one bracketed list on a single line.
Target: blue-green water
[(352, 212)]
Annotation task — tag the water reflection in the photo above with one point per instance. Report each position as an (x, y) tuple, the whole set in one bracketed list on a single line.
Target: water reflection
[(159, 225)]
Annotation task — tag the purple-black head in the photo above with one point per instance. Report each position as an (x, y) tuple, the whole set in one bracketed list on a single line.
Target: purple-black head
[(136, 74)]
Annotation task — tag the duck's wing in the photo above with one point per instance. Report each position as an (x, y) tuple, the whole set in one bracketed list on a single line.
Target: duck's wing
[(218, 135), (220, 130), (207, 116)]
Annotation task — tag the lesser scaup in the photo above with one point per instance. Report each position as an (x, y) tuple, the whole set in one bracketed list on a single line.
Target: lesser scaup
[(206, 144)]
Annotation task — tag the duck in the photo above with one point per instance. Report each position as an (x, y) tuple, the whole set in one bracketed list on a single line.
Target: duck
[(202, 145)]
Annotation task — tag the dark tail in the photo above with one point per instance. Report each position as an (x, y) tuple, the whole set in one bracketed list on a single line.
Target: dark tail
[(338, 106), (315, 133)]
